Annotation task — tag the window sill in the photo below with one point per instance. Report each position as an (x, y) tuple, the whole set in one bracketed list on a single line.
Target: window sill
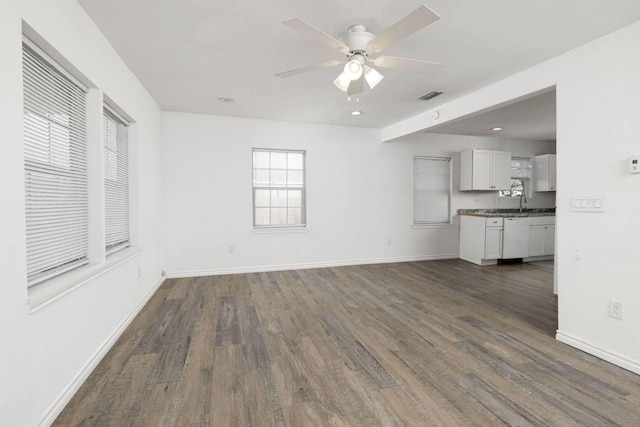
[(280, 230), (440, 225), (43, 294)]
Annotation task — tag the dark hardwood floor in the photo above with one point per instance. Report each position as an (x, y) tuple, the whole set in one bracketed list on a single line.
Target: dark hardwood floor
[(442, 343)]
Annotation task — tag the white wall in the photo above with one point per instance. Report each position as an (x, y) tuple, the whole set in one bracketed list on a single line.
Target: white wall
[(597, 258), (46, 352), (598, 129), (359, 195)]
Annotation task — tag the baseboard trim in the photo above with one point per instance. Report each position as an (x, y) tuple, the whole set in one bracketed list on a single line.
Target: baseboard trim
[(283, 267), (65, 396), (616, 359)]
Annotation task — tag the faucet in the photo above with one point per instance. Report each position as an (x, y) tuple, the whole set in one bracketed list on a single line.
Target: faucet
[(523, 196)]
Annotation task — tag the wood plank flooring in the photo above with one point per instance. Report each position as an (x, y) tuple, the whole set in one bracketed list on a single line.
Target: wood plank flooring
[(438, 343)]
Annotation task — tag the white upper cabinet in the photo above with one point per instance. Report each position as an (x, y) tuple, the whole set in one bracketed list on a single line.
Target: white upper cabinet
[(545, 172), (485, 170)]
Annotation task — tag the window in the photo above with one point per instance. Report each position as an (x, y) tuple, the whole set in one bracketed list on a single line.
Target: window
[(520, 178), (55, 164), (116, 181), (431, 190), (278, 188)]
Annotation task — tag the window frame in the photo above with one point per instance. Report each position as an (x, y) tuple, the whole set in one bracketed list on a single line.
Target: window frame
[(46, 84), (449, 190), (117, 232), (526, 181), (256, 187), (48, 289)]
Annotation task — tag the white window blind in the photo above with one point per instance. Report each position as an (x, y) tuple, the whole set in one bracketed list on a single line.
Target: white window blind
[(278, 188), (116, 181), (55, 170), (431, 190)]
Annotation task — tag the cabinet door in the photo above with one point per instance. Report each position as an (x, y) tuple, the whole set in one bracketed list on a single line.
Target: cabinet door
[(545, 172), (552, 172), (501, 170), (482, 170), (550, 240), (493, 243), (537, 240)]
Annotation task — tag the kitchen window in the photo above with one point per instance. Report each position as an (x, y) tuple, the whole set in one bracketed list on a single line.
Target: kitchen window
[(520, 178), (279, 191), (431, 190)]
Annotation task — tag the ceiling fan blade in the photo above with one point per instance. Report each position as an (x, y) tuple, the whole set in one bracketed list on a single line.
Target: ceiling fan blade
[(411, 23), (314, 33), (408, 64), (308, 68), (356, 86)]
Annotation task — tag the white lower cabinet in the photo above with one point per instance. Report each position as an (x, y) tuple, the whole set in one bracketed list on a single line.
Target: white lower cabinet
[(493, 242), (542, 236), (480, 239)]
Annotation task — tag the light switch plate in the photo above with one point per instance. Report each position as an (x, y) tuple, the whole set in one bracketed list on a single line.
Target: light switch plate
[(634, 164), (587, 203)]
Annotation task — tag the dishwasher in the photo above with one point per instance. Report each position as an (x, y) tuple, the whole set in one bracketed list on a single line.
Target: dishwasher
[(515, 238)]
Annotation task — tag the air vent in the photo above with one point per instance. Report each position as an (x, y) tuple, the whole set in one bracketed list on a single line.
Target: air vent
[(429, 95)]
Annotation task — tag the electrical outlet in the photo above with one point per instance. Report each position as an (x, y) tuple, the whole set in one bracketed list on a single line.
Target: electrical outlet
[(232, 249), (388, 242), (615, 309)]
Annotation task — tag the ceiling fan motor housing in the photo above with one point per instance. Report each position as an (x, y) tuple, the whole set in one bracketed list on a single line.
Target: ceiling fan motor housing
[(357, 38)]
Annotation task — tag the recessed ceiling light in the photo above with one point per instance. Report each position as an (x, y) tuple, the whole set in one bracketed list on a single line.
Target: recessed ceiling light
[(497, 128), (226, 100), (356, 113)]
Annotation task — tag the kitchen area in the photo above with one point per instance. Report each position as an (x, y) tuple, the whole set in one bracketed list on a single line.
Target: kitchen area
[(515, 233)]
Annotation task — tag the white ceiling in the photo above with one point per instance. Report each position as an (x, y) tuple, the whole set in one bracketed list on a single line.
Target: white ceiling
[(532, 118), (189, 53)]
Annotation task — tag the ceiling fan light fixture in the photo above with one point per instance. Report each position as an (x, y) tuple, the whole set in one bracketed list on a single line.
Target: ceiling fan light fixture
[(373, 77), (342, 82), (353, 69)]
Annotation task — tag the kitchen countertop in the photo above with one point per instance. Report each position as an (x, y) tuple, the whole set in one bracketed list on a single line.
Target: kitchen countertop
[(508, 213)]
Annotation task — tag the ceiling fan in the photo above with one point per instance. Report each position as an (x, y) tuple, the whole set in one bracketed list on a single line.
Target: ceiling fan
[(358, 45)]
